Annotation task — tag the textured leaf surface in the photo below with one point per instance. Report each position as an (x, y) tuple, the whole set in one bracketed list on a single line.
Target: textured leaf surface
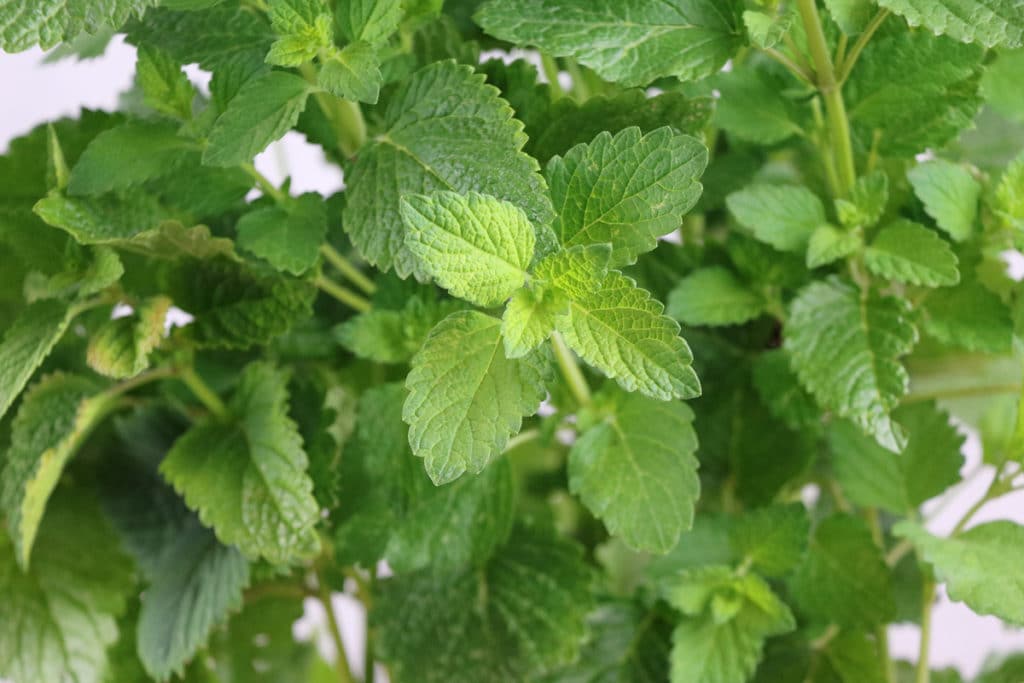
[(288, 238), (752, 108), (950, 195), (127, 156), (829, 244), (246, 476), (844, 579), (909, 252), (846, 349), (370, 20), (48, 22), (772, 539), (60, 617), (978, 566), (521, 614), (968, 316), (625, 190), (165, 87), (27, 343), (619, 329), (121, 348), (714, 296), (444, 130), (989, 22), (630, 42), (353, 73), (477, 247), (530, 318), (465, 397), (388, 336), (780, 215), (265, 109), (636, 471)]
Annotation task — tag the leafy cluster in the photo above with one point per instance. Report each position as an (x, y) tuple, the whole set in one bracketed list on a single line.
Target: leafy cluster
[(453, 388)]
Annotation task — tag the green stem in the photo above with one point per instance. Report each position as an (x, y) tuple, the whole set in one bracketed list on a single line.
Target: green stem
[(153, 375), (792, 66), (207, 396), (832, 94), (570, 370), (345, 116), (343, 294), (850, 60), (345, 267), (923, 671), (341, 662), (881, 634), (579, 82), (525, 436), (264, 184), (550, 67), (962, 392)]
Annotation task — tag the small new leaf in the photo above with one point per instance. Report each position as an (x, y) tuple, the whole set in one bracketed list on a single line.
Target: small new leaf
[(121, 348), (353, 73)]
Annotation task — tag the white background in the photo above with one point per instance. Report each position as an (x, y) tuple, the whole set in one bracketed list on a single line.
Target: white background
[(32, 92)]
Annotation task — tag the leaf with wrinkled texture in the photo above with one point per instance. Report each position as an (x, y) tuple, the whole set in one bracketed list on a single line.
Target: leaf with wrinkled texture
[(48, 22), (714, 296), (989, 22), (950, 195), (287, 237), (27, 343), (780, 215), (909, 252)]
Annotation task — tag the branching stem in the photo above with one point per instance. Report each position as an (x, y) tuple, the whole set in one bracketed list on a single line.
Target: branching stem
[(570, 370), (343, 294), (346, 268), (202, 391)]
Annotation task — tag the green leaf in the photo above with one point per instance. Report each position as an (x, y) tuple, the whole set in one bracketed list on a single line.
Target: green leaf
[(783, 216), (370, 20), (635, 469), (874, 477), (475, 246), (128, 155), (772, 539), (60, 617), (48, 22), (304, 27), (165, 87), (288, 237), (265, 109), (867, 201), (619, 329), (27, 343), (845, 349), (989, 22), (968, 316), (625, 190), (780, 391), (909, 252), (121, 348), (752, 107), (521, 614), (236, 307), (829, 244), (385, 336), (444, 129), (977, 566), (456, 525), (765, 30), (1009, 198), (714, 296), (913, 90), (54, 420), (530, 318), (577, 271), (194, 585), (246, 474), (950, 195), (731, 617), (844, 578), (852, 16), (630, 42), (465, 397), (353, 73)]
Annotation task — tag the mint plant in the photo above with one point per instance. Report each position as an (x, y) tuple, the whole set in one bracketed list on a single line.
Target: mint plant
[(657, 376)]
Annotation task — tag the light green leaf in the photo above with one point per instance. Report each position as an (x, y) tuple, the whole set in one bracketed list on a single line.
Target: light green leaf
[(619, 329), (630, 42), (27, 343), (386, 336), (844, 578), (444, 129), (752, 108), (989, 22), (635, 469), (521, 614), (828, 244), (48, 22), (771, 539), (121, 348), (108, 219), (475, 246), (54, 420), (303, 27), (287, 237), (625, 190), (909, 252), (714, 296), (968, 316), (246, 474), (867, 201), (60, 617), (195, 584), (950, 195), (128, 155), (979, 566), (353, 73), (577, 271), (465, 397), (530, 317), (846, 349), (765, 30), (783, 216), (265, 108), (370, 20), (852, 16), (1009, 198), (165, 87)]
